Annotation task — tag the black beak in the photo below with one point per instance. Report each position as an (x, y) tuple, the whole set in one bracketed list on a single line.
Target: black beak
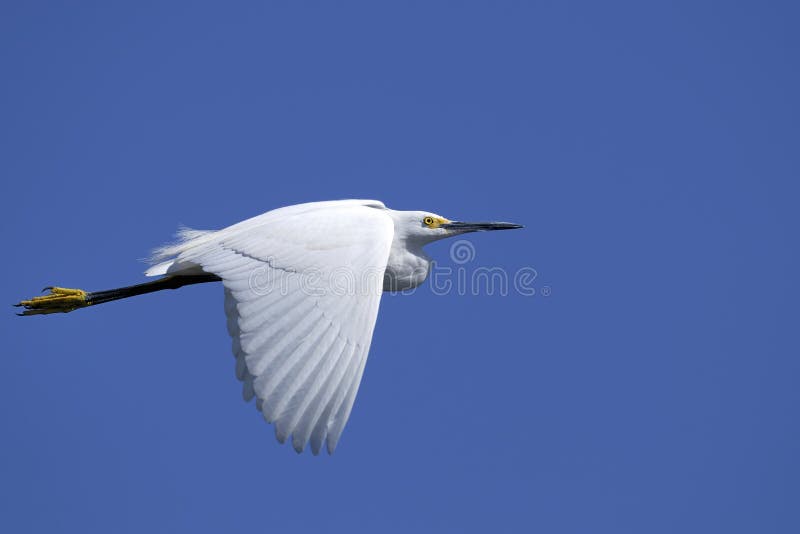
[(479, 226)]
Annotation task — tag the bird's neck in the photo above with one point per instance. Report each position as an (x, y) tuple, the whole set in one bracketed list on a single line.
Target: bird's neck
[(408, 266)]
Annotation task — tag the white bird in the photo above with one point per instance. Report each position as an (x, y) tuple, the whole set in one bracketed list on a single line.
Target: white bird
[(302, 288)]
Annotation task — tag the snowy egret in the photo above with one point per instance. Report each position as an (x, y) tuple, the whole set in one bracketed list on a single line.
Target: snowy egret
[(302, 289)]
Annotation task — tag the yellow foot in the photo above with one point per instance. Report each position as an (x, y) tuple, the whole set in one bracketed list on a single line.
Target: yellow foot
[(59, 300)]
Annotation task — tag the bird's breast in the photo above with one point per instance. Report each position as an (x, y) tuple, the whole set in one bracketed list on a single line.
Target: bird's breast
[(405, 270)]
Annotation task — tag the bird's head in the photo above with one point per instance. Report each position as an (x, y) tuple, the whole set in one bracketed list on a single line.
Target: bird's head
[(426, 227)]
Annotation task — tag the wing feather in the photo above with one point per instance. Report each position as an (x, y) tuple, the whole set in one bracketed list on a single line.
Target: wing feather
[(334, 393), (307, 414), (271, 381), (302, 291)]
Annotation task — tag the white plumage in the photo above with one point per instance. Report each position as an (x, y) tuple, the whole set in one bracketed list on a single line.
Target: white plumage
[(300, 345), (302, 289)]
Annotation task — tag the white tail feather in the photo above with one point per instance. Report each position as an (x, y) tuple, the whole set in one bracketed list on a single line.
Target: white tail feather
[(162, 258)]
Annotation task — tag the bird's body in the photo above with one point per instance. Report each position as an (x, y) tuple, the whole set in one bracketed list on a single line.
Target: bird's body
[(406, 267), (302, 290)]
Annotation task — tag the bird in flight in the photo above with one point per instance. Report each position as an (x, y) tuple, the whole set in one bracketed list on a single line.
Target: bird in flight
[(302, 288)]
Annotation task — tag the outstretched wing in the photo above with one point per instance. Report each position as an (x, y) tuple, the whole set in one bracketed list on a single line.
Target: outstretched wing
[(302, 292)]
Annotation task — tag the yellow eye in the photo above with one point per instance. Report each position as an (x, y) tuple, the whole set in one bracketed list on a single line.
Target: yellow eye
[(428, 221)]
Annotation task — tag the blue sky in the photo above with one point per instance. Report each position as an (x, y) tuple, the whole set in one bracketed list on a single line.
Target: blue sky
[(649, 148)]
